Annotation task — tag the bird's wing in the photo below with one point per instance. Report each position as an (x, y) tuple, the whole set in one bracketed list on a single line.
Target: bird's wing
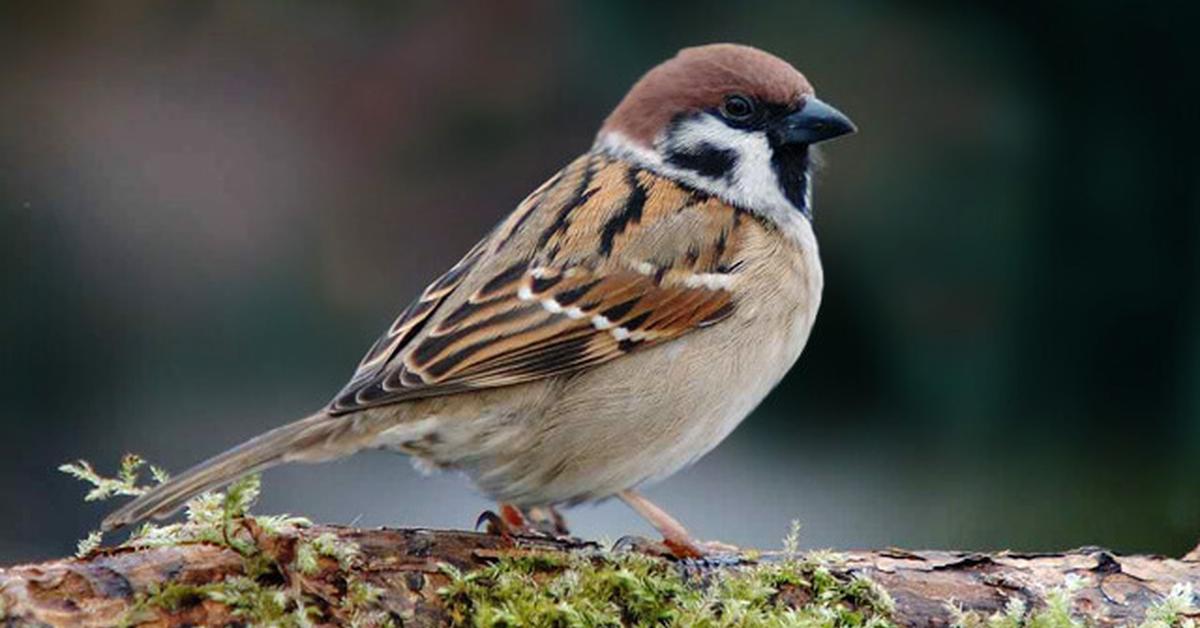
[(602, 260)]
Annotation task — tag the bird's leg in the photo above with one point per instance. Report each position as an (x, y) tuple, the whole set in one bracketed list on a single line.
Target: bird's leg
[(513, 517), (675, 537)]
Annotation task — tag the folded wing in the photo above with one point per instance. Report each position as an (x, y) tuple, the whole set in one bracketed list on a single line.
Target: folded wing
[(582, 291)]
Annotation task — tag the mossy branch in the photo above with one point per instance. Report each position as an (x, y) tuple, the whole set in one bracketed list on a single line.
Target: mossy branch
[(333, 575), (223, 565)]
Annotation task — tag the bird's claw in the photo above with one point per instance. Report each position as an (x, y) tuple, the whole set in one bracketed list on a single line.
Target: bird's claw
[(493, 523)]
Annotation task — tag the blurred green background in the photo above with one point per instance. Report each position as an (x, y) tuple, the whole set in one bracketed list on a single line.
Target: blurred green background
[(208, 211)]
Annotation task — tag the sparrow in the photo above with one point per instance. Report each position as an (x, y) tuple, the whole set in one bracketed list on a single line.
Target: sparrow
[(612, 329)]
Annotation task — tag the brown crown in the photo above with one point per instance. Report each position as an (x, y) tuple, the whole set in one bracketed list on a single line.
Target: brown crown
[(700, 78)]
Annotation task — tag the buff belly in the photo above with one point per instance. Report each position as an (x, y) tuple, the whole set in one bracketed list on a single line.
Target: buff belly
[(608, 429), (627, 422)]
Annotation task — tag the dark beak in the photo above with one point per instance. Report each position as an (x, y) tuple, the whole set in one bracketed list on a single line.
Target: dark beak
[(814, 122)]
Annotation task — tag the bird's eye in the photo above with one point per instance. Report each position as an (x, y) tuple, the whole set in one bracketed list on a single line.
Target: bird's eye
[(737, 108)]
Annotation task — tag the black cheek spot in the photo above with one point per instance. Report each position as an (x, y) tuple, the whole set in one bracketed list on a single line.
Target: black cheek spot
[(706, 160)]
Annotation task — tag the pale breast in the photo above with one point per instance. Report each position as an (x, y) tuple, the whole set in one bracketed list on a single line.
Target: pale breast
[(644, 417)]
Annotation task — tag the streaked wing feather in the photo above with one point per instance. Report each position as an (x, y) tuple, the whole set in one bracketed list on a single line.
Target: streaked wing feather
[(580, 293), (533, 335)]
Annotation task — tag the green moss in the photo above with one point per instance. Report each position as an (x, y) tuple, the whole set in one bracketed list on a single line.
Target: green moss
[(631, 589), (605, 589), (224, 519), (309, 552), (126, 481), (247, 599)]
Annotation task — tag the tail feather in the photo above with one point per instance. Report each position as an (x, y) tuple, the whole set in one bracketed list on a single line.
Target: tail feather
[(311, 438)]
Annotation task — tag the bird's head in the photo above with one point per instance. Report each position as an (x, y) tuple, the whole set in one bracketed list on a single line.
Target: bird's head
[(730, 120)]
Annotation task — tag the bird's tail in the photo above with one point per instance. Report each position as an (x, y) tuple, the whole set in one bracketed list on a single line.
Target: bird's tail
[(317, 437)]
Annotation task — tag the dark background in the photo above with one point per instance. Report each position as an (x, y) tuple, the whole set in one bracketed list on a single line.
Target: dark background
[(207, 213)]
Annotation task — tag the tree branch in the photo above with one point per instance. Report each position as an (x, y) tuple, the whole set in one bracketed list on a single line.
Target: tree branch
[(423, 577)]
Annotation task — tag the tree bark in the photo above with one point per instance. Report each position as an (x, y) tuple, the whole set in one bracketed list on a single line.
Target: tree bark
[(110, 586)]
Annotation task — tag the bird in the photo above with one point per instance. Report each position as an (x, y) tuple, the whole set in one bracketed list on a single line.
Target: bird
[(616, 326)]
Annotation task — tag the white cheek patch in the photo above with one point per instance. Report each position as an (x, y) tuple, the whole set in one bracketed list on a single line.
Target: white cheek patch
[(751, 184)]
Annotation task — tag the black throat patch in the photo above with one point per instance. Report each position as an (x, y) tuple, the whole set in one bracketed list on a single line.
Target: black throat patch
[(792, 166)]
